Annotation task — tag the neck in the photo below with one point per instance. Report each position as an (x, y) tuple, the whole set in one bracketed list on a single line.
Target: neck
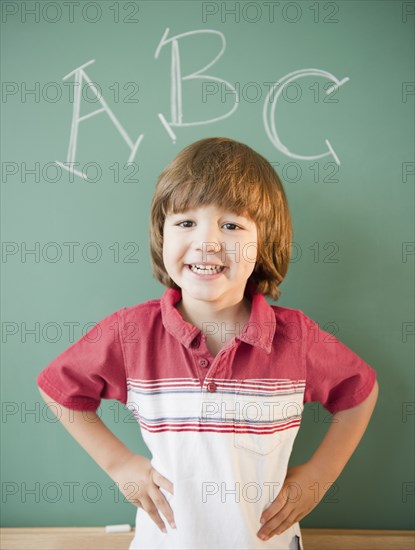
[(201, 313)]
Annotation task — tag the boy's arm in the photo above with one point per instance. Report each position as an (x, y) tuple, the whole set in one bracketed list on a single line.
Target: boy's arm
[(343, 436), (92, 434), (128, 470), (298, 496)]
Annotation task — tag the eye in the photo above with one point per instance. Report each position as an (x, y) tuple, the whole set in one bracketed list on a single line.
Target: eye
[(185, 221), (188, 221)]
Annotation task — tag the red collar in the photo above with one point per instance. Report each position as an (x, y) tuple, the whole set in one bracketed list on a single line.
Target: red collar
[(259, 331)]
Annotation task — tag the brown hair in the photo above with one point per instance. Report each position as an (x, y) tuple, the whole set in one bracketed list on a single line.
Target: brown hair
[(225, 173)]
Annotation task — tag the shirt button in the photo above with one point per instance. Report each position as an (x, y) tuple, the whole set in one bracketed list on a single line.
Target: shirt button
[(211, 387), (195, 343), (203, 362)]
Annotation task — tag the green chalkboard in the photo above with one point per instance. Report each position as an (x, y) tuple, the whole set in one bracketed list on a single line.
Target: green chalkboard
[(97, 97)]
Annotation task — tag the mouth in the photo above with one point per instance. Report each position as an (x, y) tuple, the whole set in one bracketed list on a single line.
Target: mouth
[(206, 270)]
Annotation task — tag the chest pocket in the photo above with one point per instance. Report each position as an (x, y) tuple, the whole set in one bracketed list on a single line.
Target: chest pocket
[(267, 413)]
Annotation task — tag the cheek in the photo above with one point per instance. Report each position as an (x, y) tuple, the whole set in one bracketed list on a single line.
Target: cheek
[(166, 254), (250, 253), (170, 252), (250, 249)]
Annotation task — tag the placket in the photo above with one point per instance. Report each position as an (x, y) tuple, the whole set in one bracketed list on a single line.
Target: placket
[(218, 366)]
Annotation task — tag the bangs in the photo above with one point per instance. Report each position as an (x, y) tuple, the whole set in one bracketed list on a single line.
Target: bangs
[(232, 182)]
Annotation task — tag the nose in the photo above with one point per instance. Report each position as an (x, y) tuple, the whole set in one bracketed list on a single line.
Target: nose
[(208, 240)]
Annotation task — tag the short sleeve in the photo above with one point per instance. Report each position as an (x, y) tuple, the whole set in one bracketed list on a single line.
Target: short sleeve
[(335, 376), (91, 369)]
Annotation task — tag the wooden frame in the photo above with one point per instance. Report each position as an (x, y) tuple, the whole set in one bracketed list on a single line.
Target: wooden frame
[(90, 538)]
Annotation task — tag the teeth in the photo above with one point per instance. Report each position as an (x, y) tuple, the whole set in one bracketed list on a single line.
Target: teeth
[(207, 266), (205, 269)]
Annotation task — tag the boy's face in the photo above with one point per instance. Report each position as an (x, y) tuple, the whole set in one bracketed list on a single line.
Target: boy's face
[(212, 236)]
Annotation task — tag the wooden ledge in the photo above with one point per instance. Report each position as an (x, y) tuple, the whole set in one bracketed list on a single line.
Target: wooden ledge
[(90, 538)]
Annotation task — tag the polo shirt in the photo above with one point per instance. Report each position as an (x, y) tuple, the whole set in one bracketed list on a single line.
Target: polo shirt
[(220, 428)]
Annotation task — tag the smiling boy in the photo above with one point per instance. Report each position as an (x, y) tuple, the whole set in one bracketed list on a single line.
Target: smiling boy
[(216, 377)]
